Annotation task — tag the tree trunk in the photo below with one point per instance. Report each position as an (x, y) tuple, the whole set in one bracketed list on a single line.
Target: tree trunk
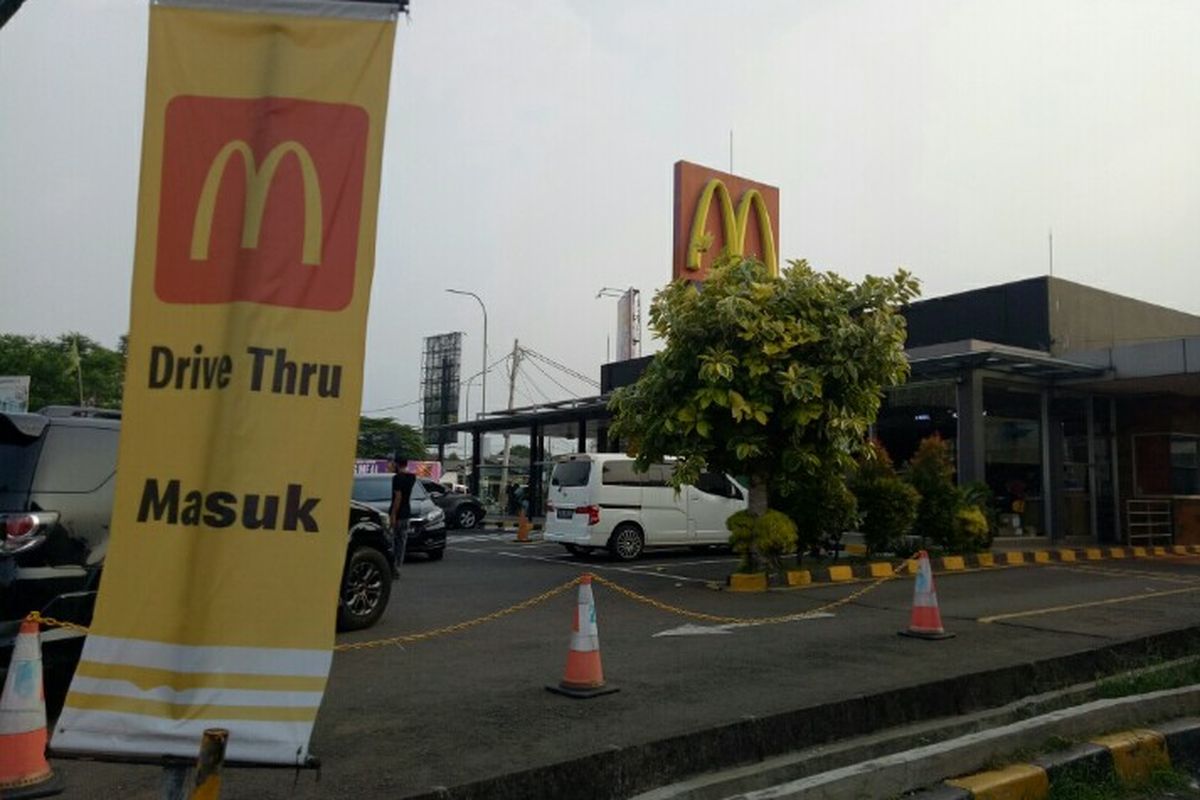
[(759, 498)]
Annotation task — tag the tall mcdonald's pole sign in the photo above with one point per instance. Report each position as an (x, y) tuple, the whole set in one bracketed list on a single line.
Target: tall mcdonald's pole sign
[(717, 213), (261, 154)]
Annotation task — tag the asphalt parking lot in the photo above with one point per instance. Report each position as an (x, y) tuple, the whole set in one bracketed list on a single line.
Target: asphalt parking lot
[(400, 719)]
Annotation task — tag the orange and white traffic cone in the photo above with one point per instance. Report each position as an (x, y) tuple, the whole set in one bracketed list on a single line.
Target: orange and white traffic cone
[(523, 528), (926, 620), (24, 771), (584, 678)]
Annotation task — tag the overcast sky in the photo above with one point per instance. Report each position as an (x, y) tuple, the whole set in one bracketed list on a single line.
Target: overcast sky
[(530, 145)]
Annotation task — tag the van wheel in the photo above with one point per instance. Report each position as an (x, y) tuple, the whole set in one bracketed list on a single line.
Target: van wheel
[(627, 542), (579, 549)]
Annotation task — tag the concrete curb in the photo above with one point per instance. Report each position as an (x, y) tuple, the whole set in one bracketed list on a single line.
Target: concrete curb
[(1129, 756), (1001, 559), (1134, 754), (622, 770)]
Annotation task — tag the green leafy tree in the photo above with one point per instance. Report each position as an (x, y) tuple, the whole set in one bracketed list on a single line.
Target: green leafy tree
[(54, 378), (379, 437), (773, 377)]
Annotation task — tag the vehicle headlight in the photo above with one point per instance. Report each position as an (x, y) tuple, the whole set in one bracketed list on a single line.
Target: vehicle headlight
[(436, 515)]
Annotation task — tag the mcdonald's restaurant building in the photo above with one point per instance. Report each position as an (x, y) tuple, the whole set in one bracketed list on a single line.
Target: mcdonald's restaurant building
[(1079, 408)]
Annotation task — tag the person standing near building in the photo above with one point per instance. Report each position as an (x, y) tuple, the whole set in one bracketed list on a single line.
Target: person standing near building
[(401, 509)]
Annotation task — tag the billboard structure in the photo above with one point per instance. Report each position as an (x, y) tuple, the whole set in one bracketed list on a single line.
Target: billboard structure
[(629, 325), (441, 371), (717, 212)]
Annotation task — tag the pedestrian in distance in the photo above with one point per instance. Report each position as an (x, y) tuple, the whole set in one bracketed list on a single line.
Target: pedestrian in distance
[(401, 508), (510, 492)]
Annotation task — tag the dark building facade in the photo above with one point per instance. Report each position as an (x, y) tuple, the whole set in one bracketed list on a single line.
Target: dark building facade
[(1079, 408)]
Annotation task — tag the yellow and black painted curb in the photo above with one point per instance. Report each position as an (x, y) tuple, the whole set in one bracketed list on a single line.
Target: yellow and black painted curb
[(942, 565), (1131, 756)]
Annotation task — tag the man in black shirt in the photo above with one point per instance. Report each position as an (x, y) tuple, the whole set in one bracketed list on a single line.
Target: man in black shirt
[(401, 510)]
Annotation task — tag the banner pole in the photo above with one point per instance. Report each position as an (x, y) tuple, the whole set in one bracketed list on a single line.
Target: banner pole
[(174, 782)]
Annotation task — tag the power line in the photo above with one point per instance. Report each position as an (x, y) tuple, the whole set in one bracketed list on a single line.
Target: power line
[(540, 369), (563, 368), (391, 408), (521, 371), (461, 384)]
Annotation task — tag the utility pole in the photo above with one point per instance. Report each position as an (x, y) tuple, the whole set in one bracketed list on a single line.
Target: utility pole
[(1052, 252), (514, 362)]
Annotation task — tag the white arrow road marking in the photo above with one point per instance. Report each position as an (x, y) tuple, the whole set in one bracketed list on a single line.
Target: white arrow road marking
[(695, 630), (709, 630)]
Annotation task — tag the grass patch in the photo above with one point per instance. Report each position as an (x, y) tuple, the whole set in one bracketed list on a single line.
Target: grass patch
[(1087, 785), (1152, 680)]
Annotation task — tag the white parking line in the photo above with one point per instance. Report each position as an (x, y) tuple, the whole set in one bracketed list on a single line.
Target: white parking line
[(732, 560), (588, 567)]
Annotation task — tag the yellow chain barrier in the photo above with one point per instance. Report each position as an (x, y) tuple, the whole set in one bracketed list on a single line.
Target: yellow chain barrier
[(724, 620), (461, 626), (458, 627), (51, 622)]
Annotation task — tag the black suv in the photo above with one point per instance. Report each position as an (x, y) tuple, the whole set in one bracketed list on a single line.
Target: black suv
[(57, 470)]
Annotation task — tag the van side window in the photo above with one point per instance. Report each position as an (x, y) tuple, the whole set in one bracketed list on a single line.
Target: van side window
[(715, 483), (621, 473), (571, 473), (659, 475)]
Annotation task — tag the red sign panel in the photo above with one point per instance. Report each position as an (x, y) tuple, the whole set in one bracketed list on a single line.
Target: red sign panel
[(712, 207), (261, 201)]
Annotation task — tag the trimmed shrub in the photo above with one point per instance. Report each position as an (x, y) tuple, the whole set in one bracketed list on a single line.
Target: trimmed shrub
[(931, 473), (774, 535), (741, 539), (823, 508), (888, 505), (770, 537), (889, 509), (970, 528)]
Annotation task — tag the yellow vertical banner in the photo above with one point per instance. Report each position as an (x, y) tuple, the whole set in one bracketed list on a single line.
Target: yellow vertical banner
[(261, 155)]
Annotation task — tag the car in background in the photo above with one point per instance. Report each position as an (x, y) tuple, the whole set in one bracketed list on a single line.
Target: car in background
[(57, 474), (463, 511), (599, 500), (427, 523)]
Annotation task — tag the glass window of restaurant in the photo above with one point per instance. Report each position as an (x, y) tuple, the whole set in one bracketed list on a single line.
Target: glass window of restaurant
[(913, 412), (1013, 455)]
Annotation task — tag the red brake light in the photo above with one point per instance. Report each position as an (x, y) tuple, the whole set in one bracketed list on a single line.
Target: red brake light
[(25, 531), (593, 513), (19, 525)]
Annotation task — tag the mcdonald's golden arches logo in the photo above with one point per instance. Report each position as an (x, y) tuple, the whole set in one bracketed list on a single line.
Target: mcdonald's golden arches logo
[(698, 242), (261, 202)]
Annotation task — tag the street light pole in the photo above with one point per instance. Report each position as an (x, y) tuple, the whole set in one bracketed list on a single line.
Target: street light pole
[(483, 398)]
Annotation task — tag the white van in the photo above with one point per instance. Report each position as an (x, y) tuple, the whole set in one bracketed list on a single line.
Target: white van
[(598, 500)]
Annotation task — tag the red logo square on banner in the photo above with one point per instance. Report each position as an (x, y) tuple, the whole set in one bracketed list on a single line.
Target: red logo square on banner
[(261, 201)]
